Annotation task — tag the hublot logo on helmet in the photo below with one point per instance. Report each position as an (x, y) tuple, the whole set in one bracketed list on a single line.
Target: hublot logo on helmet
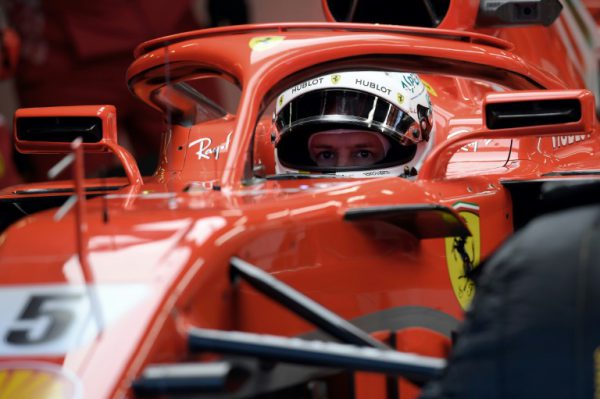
[(373, 85), (309, 83)]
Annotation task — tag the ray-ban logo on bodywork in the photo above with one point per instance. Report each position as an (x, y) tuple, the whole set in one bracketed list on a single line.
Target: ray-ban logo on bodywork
[(207, 151)]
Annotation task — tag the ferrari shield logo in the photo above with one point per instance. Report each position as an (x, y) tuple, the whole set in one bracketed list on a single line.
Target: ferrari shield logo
[(400, 98), (462, 254), (280, 100), (264, 42), (335, 79)]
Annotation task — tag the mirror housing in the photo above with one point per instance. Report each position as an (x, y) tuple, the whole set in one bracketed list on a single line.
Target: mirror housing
[(512, 115), (549, 111), (50, 130)]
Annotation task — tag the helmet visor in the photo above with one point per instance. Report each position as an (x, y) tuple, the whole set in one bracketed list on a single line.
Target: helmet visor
[(310, 125), (346, 107)]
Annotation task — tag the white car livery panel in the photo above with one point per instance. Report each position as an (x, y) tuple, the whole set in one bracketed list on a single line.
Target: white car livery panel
[(51, 320)]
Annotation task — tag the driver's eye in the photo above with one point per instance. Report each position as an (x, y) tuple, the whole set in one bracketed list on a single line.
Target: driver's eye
[(326, 155), (363, 154)]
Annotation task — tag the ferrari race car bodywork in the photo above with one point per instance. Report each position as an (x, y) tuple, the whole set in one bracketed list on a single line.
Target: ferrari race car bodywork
[(121, 295)]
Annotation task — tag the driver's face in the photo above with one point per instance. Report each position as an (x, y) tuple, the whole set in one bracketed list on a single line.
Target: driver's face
[(342, 147)]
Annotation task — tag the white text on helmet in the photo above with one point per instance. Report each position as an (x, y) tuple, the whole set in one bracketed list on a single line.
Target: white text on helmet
[(309, 83), (373, 85), (410, 81)]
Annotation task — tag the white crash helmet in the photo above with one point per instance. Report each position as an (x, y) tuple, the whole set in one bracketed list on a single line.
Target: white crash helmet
[(390, 110)]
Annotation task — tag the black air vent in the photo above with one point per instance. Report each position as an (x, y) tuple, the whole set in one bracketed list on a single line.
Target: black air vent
[(427, 14)]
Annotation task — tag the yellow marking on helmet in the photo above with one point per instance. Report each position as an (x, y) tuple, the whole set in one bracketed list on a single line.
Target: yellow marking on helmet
[(429, 89)]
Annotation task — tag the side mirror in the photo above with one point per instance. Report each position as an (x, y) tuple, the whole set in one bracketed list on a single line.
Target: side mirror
[(511, 115), (51, 130), (551, 112)]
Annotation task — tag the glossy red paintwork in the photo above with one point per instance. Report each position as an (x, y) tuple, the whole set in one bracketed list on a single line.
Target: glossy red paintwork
[(158, 250)]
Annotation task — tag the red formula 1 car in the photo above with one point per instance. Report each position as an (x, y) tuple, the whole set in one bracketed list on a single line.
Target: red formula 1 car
[(364, 173)]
